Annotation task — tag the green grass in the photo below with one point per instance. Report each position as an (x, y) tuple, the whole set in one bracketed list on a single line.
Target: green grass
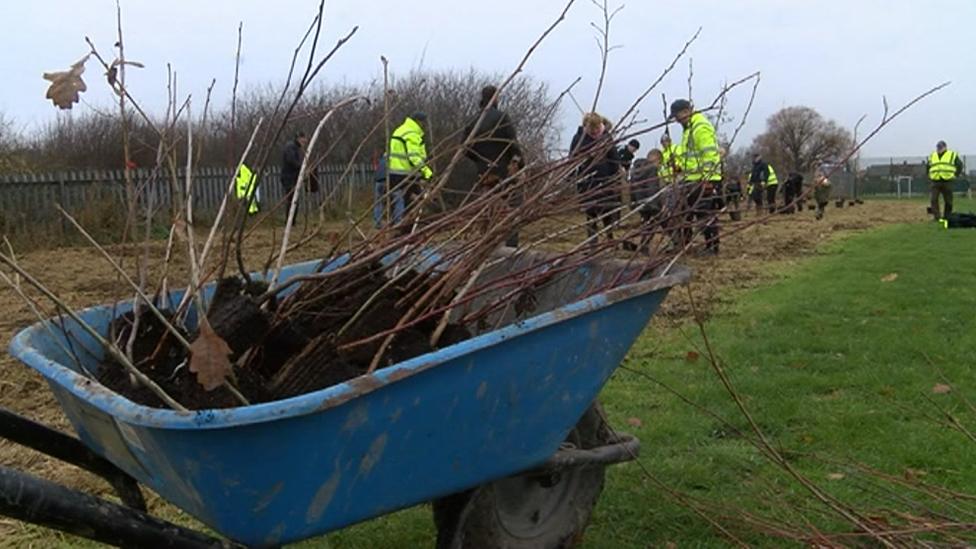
[(831, 360)]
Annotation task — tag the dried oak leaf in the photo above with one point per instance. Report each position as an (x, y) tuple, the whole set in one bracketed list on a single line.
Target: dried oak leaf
[(941, 388), (66, 85), (210, 358), (634, 422), (891, 277), (691, 356)]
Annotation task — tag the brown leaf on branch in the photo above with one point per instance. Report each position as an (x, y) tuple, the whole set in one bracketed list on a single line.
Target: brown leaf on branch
[(66, 85), (210, 358)]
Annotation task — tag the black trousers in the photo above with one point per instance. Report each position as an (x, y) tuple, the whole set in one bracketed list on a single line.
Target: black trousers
[(771, 197), (608, 215), (757, 195), (703, 207), (943, 188), (821, 207), (790, 193)]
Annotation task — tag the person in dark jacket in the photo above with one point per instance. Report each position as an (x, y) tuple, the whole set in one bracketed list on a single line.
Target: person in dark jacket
[(495, 143), (627, 153), (598, 175), (757, 181), (792, 189), (291, 162), (495, 151), (645, 194), (645, 185)]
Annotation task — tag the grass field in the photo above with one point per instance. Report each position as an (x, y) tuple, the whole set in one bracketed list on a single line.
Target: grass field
[(835, 356), (837, 361)]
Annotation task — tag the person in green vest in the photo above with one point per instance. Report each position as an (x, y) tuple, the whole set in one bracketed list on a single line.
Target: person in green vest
[(944, 167), (407, 164), (700, 165), (669, 157), (771, 185), (246, 189)]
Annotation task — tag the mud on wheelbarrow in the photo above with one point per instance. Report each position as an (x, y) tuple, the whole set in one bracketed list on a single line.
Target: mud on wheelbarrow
[(500, 431)]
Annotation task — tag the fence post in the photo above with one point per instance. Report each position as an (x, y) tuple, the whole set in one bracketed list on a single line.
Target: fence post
[(62, 201)]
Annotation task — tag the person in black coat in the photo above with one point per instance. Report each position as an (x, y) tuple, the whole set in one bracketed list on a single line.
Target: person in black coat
[(793, 190), (757, 181), (495, 143), (291, 162), (627, 153), (495, 151), (598, 177)]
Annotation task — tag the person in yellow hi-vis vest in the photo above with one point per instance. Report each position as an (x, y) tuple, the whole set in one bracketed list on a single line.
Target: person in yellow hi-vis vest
[(701, 168), (246, 189), (944, 167), (670, 153), (407, 163)]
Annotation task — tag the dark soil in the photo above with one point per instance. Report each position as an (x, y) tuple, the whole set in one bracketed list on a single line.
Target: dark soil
[(291, 349)]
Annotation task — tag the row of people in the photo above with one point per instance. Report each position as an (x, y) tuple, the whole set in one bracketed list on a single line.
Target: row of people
[(693, 166)]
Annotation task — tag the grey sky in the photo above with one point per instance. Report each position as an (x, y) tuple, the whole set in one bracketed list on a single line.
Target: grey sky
[(838, 57)]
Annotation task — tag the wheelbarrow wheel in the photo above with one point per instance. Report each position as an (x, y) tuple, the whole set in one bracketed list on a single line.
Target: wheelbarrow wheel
[(540, 510)]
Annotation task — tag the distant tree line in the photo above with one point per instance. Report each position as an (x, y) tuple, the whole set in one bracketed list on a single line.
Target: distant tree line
[(93, 139)]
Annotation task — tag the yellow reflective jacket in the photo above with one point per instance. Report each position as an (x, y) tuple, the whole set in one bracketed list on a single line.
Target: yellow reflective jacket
[(670, 158), (408, 154), (942, 168), (773, 180), (245, 188), (700, 160)]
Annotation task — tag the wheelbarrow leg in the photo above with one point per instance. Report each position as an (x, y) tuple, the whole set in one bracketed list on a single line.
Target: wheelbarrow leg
[(547, 508), (38, 501), (69, 449)]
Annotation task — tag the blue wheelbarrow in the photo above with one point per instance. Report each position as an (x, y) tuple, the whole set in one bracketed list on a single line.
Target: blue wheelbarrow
[(501, 432)]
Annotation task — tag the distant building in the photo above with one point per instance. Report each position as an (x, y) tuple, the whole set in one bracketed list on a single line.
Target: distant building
[(905, 169)]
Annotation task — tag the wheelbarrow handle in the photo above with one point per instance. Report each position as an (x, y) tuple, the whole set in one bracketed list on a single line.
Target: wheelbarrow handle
[(69, 449), (38, 501), (625, 447)]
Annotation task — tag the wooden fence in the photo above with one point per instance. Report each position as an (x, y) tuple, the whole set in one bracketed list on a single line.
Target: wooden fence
[(27, 201)]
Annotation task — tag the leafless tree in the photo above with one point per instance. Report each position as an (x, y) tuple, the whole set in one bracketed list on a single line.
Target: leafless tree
[(799, 139)]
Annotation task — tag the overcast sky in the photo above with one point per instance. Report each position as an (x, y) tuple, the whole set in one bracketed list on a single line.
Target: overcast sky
[(839, 57)]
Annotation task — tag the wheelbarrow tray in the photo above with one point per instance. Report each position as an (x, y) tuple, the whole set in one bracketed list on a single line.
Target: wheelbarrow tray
[(488, 407)]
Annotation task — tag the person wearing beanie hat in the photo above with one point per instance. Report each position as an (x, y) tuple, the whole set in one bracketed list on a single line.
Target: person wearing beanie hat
[(626, 154), (701, 168)]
